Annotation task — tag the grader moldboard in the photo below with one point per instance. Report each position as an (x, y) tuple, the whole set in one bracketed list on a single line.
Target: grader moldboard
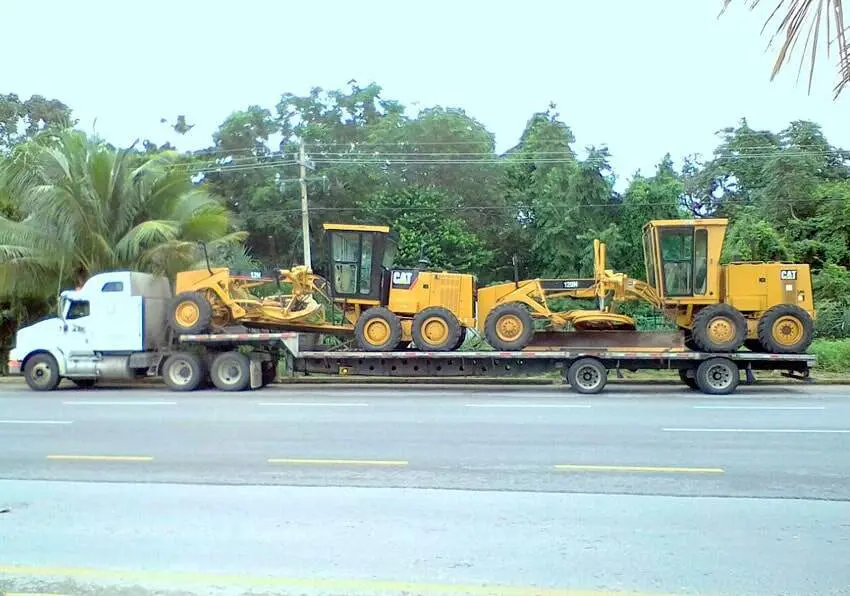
[(767, 307)]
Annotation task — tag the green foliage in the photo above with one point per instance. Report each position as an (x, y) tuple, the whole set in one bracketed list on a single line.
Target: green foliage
[(418, 217), (751, 238), (832, 356), (85, 208)]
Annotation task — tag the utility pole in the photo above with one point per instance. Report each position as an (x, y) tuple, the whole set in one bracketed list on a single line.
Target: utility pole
[(305, 219)]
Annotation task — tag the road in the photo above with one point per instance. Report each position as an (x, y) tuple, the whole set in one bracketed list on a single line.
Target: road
[(426, 490)]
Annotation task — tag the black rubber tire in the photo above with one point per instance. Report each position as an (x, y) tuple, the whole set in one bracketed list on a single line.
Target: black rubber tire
[(754, 345), (205, 313), (41, 372), (231, 371), (717, 376), (783, 310), (183, 371), (378, 312), (460, 340), (453, 329), (269, 371), (702, 320), (84, 383), (587, 375), (690, 381), (402, 345), (523, 338)]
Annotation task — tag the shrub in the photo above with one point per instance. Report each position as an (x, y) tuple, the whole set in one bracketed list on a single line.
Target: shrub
[(833, 356)]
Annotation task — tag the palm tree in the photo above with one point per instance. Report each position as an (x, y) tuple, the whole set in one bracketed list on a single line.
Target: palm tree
[(826, 14), (83, 207)]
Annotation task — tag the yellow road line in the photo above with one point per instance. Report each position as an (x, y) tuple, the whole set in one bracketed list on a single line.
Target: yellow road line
[(583, 468), (339, 462), (101, 457), (348, 586)]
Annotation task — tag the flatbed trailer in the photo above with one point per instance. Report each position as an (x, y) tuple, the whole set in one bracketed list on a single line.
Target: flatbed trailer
[(586, 371)]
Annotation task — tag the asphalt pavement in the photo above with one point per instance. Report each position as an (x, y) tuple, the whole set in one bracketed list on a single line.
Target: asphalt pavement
[(426, 490)]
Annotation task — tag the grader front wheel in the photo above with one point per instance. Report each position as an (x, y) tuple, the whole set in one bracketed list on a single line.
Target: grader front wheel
[(436, 329), (190, 313)]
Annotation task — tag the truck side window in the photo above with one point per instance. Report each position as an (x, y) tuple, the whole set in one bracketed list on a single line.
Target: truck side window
[(113, 286), (78, 309)]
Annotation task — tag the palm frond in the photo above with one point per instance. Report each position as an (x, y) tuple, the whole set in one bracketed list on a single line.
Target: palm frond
[(818, 14)]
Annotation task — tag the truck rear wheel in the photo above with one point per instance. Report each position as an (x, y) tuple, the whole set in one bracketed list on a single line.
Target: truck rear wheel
[(231, 371), (436, 329), (717, 376), (786, 329), (42, 372), (183, 371), (190, 313), (587, 375), (509, 327), (719, 328), (378, 330)]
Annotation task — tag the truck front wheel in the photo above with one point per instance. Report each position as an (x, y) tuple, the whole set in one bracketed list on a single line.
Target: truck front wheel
[(42, 372), (183, 371)]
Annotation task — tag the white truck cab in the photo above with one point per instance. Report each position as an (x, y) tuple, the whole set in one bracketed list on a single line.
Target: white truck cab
[(112, 327)]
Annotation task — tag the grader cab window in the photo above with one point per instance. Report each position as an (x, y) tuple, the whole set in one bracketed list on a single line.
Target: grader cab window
[(346, 246), (677, 260)]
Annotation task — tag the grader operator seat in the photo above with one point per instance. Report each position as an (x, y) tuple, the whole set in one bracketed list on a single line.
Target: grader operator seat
[(767, 307)]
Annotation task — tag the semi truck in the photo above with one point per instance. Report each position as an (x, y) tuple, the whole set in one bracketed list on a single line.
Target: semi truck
[(116, 327)]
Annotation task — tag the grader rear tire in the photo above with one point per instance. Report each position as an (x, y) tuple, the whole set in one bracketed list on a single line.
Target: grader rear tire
[(786, 329), (190, 313), (377, 330), (436, 329), (719, 328), (509, 327)]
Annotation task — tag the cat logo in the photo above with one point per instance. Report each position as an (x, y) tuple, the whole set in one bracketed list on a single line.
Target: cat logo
[(788, 274), (402, 278)]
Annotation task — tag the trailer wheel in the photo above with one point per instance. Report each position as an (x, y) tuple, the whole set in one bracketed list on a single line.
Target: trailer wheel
[(42, 372), (786, 329), (378, 330), (183, 371), (436, 329), (190, 312), (717, 376), (687, 375), (587, 375), (719, 328), (509, 327), (231, 371)]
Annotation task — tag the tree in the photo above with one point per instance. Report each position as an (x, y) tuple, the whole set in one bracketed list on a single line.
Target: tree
[(826, 14), (21, 120), (85, 208)]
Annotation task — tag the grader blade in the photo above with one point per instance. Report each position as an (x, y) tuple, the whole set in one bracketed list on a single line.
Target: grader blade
[(613, 340)]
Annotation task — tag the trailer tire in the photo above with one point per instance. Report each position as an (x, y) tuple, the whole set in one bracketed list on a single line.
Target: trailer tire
[(41, 372), (786, 329), (378, 330), (436, 329), (183, 371), (509, 327), (587, 375), (719, 328), (690, 381), (231, 371), (717, 376), (190, 313)]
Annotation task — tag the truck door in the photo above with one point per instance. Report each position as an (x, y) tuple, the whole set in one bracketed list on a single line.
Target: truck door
[(74, 342)]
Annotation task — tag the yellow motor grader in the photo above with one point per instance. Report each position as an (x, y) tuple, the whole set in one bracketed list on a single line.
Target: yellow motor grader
[(718, 308)]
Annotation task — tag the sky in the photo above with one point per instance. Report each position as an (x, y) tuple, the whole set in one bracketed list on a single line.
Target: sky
[(644, 77)]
